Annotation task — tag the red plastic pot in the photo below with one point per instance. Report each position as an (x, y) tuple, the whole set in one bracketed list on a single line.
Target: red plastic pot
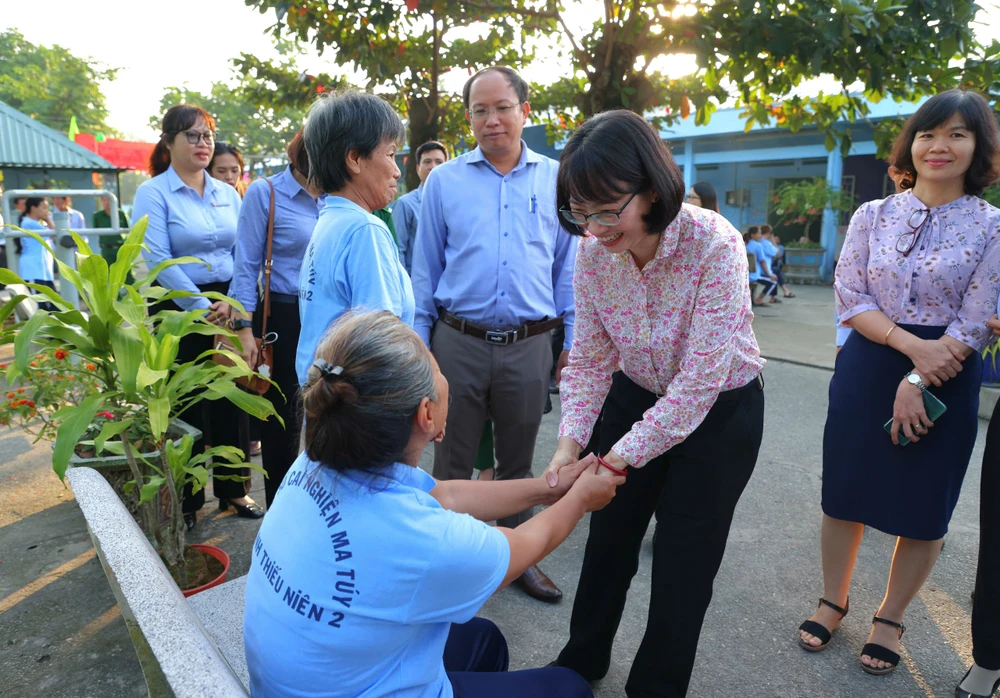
[(220, 555)]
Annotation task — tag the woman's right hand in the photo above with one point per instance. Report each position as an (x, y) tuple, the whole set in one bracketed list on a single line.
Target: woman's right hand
[(593, 491), (934, 361), (249, 345), (994, 324)]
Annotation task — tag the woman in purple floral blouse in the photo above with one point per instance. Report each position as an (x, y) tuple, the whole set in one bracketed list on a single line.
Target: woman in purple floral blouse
[(917, 281)]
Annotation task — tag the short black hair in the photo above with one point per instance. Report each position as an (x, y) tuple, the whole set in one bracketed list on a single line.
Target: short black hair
[(706, 192), (431, 145), (616, 153), (979, 118), (513, 79), (340, 123)]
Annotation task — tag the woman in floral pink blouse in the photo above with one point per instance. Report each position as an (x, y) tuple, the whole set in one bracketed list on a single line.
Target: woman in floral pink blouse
[(917, 281), (665, 355)]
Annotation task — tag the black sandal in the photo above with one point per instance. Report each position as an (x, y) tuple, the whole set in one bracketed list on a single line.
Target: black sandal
[(882, 654), (821, 631)]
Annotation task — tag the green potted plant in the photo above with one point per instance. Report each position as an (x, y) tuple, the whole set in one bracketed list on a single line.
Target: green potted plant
[(137, 389), (803, 203)]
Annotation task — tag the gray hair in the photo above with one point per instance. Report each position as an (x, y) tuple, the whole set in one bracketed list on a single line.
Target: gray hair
[(341, 122), (360, 417)]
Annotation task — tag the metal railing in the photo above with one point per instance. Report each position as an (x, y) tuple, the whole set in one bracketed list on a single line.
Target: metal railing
[(66, 253)]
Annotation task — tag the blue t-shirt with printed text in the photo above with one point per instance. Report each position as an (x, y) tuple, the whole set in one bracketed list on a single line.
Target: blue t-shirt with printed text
[(355, 582), (351, 262)]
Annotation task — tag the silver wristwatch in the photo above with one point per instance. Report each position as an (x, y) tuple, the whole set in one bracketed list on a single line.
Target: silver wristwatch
[(915, 379)]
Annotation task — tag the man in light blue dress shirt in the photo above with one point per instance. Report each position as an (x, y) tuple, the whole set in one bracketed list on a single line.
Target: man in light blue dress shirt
[(492, 276), (406, 210)]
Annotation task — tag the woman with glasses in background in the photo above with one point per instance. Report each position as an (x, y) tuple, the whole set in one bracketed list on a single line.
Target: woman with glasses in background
[(666, 365), (917, 281), (192, 214)]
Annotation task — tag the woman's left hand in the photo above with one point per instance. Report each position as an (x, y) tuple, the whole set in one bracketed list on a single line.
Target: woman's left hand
[(615, 461), (908, 413)]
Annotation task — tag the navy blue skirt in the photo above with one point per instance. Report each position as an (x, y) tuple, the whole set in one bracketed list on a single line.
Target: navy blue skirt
[(908, 491)]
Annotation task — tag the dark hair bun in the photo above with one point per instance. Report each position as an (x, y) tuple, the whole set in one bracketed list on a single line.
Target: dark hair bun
[(326, 396)]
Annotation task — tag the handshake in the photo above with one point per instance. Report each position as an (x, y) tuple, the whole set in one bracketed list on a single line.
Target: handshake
[(585, 479)]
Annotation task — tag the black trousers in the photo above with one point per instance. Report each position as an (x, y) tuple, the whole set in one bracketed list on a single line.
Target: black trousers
[(986, 607), (221, 422), (693, 489), (280, 444)]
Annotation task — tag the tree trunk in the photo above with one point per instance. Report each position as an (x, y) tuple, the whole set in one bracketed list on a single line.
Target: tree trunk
[(423, 128)]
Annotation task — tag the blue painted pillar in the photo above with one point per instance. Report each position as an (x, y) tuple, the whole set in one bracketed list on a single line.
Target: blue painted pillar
[(828, 231), (688, 163)]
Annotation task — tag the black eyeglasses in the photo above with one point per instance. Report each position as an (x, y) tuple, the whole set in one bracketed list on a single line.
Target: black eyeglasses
[(194, 136), (606, 218), (907, 241)]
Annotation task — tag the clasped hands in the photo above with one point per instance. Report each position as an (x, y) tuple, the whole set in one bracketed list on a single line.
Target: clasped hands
[(935, 361), (567, 471)]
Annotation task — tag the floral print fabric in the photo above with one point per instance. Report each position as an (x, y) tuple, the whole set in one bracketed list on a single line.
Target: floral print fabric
[(679, 328), (950, 278)]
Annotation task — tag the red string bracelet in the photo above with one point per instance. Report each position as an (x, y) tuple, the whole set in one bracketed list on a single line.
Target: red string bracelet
[(610, 467)]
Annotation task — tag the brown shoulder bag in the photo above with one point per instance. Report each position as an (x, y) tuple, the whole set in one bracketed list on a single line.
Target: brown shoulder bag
[(265, 354)]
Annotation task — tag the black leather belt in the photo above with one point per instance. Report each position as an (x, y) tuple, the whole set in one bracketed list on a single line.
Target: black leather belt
[(286, 298), (498, 336)]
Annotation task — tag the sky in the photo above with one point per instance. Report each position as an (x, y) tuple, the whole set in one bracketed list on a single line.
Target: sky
[(130, 35)]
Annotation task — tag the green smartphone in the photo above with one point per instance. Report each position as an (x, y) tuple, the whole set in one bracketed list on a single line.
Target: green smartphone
[(934, 408)]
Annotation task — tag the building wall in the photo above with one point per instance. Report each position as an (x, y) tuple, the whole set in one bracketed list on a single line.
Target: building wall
[(757, 179)]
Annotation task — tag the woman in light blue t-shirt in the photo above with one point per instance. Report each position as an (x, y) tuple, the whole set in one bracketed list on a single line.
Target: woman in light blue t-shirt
[(35, 262), (367, 573)]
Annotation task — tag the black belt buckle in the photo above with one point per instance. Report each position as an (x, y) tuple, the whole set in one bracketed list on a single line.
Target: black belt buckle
[(495, 337)]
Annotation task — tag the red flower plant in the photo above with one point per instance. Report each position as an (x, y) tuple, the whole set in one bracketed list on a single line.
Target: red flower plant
[(61, 354)]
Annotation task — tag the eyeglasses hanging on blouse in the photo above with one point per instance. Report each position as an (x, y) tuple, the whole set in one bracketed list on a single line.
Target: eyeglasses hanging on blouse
[(916, 222)]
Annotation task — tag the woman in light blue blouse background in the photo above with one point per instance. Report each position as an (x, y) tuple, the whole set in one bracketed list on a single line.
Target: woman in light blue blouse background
[(296, 208), (192, 214), (352, 260)]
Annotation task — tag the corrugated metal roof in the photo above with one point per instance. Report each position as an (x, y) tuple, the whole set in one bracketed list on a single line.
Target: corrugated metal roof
[(27, 143)]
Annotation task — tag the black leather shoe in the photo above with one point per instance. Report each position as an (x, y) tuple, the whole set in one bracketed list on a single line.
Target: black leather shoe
[(190, 519), (253, 510), (538, 585), (962, 693)]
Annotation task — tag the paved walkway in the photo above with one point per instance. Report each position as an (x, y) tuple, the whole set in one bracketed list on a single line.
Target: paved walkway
[(62, 634)]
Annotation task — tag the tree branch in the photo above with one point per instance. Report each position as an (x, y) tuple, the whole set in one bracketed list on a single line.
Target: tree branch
[(582, 56), (524, 12)]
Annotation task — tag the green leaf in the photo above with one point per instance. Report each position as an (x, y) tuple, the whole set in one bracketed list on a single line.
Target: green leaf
[(94, 270), (254, 405), (133, 313), (22, 343), (128, 349), (159, 416), (151, 488), (166, 264), (198, 477), (74, 423), (148, 376), (110, 430)]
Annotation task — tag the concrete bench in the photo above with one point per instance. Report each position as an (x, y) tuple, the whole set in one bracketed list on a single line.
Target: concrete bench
[(178, 656)]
